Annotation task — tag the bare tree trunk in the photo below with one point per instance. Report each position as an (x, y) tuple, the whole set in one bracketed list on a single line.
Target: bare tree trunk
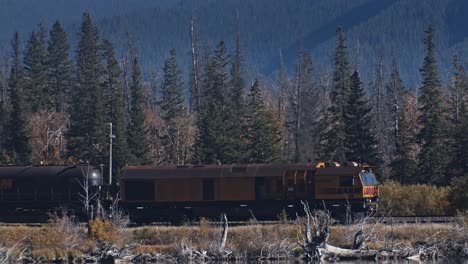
[(225, 232), (196, 94)]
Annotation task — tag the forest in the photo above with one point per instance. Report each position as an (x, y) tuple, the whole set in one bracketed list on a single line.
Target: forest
[(56, 105)]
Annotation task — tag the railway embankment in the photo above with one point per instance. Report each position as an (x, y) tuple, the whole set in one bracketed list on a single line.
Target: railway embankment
[(63, 240)]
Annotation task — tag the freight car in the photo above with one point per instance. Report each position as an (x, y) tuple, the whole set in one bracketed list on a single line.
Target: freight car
[(244, 191), (31, 193)]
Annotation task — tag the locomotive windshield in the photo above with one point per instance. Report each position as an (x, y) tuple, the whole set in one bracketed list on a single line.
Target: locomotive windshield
[(368, 178)]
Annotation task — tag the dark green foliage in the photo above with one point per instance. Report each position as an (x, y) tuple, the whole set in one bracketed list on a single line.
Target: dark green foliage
[(87, 137), (458, 195), (18, 139), (173, 110), (137, 141), (115, 109), (215, 142), (4, 107), (458, 108), (333, 142), (35, 74), (263, 131), (403, 164), (360, 139), (59, 68), (235, 108), (434, 155)]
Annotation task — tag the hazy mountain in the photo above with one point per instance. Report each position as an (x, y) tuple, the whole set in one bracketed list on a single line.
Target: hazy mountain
[(266, 27)]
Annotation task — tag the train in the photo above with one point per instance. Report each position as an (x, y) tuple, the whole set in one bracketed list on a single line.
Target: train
[(178, 193), (33, 193)]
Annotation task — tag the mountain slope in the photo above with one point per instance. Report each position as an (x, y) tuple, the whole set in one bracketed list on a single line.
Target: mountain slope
[(267, 26)]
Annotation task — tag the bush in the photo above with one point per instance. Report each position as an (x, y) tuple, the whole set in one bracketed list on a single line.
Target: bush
[(104, 231), (413, 200), (458, 195)]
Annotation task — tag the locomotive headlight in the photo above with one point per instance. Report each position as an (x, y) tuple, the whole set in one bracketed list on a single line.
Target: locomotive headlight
[(96, 178)]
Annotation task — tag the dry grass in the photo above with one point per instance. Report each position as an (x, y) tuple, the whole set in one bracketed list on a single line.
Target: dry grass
[(265, 241)]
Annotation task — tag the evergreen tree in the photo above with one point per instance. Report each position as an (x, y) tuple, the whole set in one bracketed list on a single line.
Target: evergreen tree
[(360, 139), (18, 138), (458, 107), (4, 107), (263, 133), (87, 137), (433, 157), (115, 107), (235, 109), (137, 141), (333, 140), (213, 145), (59, 68), (35, 73), (402, 164), (172, 110)]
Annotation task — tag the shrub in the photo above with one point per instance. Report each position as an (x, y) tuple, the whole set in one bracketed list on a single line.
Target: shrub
[(104, 231), (411, 200), (458, 195)]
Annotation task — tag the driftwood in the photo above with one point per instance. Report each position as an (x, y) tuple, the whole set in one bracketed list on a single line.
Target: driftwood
[(342, 253), (316, 247), (321, 230), (216, 252)]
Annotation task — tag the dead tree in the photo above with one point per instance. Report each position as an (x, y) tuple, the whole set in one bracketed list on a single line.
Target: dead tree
[(86, 196), (320, 224)]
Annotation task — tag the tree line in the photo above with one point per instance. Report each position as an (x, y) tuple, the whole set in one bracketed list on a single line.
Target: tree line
[(55, 109)]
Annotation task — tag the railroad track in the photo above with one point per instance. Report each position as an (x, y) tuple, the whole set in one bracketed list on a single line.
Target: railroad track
[(388, 220), (414, 219)]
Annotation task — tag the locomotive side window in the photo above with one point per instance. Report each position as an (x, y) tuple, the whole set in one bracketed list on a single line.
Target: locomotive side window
[(208, 189), (139, 190), (346, 181)]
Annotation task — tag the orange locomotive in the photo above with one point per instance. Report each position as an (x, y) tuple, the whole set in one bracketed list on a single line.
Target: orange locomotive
[(152, 193)]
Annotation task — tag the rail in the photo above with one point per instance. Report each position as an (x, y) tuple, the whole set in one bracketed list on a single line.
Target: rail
[(387, 220)]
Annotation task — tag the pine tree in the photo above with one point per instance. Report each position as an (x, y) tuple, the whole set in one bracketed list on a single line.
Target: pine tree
[(263, 131), (87, 137), (173, 110), (458, 107), (235, 108), (402, 163), (213, 145), (137, 141), (59, 68), (360, 139), (35, 73), (4, 107), (333, 138), (433, 157), (115, 108), (18, 138)]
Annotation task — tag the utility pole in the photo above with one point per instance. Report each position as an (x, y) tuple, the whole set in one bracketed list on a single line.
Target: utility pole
[(111, 136)]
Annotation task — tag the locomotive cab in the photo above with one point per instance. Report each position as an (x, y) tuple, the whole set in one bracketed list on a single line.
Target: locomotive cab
[(352, 185)]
